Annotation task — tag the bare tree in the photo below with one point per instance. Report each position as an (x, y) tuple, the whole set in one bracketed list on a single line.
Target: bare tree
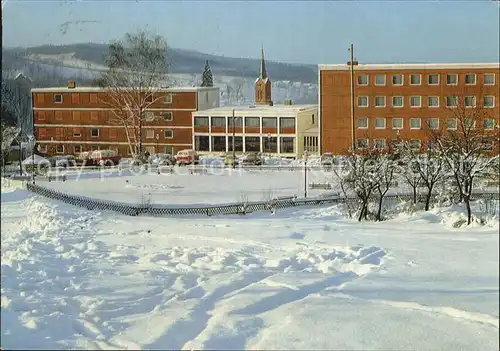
[(341, 173), (385, 179), (469, 145), (237, 89), (136, 78)]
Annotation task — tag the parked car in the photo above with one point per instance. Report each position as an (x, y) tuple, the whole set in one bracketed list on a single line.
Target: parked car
[(327, 159), (62, 161), (252, 159), (230, 160), (99, 158), (187, 157), (163, 160)]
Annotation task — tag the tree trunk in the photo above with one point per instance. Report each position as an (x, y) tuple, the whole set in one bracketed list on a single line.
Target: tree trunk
[(379, 212), (139, 136), (428, 197), (414, 194), (467, 206)]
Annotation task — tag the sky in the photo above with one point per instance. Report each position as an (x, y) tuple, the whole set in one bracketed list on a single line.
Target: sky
[(316, 32)]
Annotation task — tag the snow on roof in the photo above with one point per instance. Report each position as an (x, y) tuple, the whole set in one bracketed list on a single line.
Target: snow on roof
[(89, 89), (228, 110), (399, 66)]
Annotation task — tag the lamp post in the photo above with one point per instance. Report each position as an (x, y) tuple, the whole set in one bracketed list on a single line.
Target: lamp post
[(305, 174), (352, 63), (234, 152), (157, 139), (32, 140), (269, 144)]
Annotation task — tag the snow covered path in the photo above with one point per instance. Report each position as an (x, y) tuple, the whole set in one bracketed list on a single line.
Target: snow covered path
[(302, 279)]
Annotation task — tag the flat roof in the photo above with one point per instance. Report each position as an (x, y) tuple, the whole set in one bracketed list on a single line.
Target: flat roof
[(404, 66), (260, 108), (90, 89)]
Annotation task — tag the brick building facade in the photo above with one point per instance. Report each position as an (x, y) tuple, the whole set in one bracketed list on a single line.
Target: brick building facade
[(72, 120), (400, 100)]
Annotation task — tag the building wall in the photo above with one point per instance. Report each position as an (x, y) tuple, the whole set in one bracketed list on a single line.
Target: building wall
[(305, 121), (335, 102), (85, 119)]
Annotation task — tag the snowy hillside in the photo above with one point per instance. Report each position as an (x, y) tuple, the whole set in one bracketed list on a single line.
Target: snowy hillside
[(301, 279)]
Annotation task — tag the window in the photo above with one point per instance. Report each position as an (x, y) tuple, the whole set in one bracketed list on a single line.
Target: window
[(415, 79), (287, 145), (40, 115), (76, 133), (201, 122), (77, 149), (362, 101), (361, 143), (397, 101), (150, 134), (470, 101), (379, 101), (286, 122), (167, 99), (489, 101), (58, 99), (311, 143), (93, 98), (470, 79), (75, 98), (380, 79), (168, 116), (469, 124), (76, 116), (270, 144), (60, 149), (252, 122), (451, 123), (238, 122), (40, 98), (42, 148), (94, 115), (252, 144), (489, 79), (489, 124), (94, 132), (433, 101), (415, 144), (363, 123), (59, 115), (397, 123), (363, 80), (415, 101), (433, 79), (433, 123), (379, 123), (269, 122), (218, 143), (312, 119), (149, 116), (202, 142), (218, 122), (379, 143), (487, 146), (415, 123), (169, 133), (451, 101), (397, 79), (451, 79), (168, 149)]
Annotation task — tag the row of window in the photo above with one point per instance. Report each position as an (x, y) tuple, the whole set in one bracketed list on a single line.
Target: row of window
[(150, 133), (415, 144), (149, 116), (76, 149), (432, 79), (247, 144), (432, 101), (93, 99), (250, 122), (416, 123)]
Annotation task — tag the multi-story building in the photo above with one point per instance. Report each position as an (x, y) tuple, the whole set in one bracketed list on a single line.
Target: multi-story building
[(400, 100), (76, 119), (286, 130)]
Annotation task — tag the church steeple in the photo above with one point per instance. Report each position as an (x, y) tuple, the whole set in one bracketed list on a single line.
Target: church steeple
[(263, 84), (263, 73)]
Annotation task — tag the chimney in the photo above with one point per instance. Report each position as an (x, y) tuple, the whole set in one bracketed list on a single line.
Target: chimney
[(71, 84)]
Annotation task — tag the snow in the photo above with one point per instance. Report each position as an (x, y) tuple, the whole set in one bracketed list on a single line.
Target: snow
[(301, 279)]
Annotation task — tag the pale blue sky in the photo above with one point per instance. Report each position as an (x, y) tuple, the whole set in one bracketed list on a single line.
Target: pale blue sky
[(307, 32)]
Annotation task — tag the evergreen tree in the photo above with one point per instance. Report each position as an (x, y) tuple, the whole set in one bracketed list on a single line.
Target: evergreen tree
[(207, 79)]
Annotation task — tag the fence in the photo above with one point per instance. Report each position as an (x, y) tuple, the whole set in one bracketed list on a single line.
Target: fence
[(239, 208)]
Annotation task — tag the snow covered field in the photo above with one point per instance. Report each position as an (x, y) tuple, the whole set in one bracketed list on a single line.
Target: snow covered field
[(302, 279)]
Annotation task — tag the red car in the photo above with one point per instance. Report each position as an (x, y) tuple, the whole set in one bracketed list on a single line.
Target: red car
[(187, 157)]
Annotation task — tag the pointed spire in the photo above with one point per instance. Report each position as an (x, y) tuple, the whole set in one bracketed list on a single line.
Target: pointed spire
[(263, 73)]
